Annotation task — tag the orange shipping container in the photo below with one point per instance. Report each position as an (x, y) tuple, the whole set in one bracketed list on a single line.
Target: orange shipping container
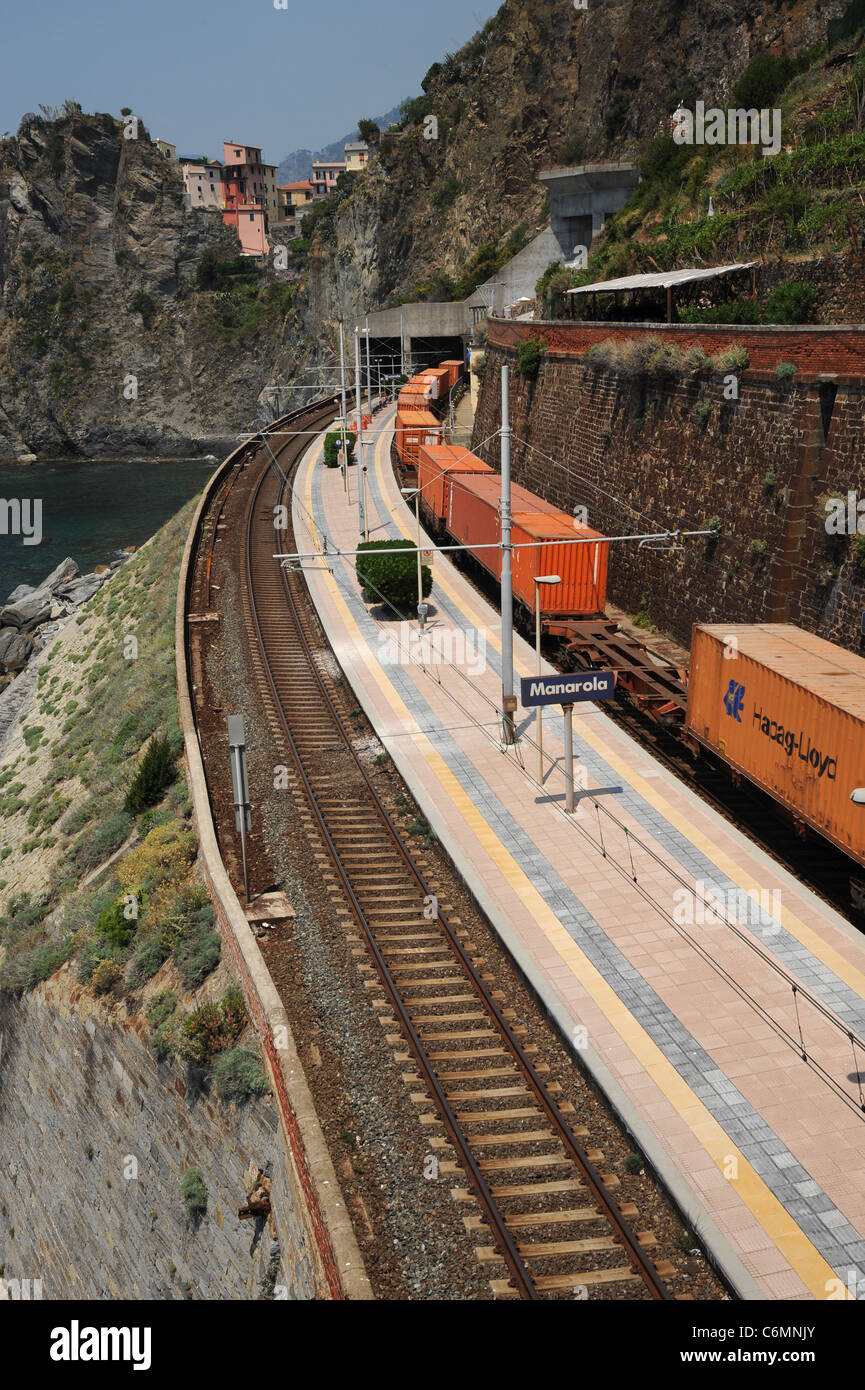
[(436, 464), (455, 370), (490, 489), (430, 380), (439, 377), (414, 428), (581, 568), (474, 520), (787, 709)]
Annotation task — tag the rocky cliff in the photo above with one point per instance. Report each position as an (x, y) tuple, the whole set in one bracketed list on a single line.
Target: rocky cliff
[(105, 346), (99, 257)]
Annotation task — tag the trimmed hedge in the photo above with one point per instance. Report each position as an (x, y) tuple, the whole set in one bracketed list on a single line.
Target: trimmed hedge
[(385, 577)]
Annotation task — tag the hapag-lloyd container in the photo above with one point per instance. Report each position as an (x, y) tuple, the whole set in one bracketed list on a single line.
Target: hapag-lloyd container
[(436, 464), (474, 520), (787, 709)]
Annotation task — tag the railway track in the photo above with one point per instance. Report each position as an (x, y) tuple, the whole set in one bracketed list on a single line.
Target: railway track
[(545, 1221)]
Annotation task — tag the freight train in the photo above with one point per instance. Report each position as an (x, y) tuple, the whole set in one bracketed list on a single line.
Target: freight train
[(416, 422), (460, 498), (768, 703)]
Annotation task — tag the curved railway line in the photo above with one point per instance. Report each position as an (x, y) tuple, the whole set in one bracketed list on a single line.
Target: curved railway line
[(550, 1226)]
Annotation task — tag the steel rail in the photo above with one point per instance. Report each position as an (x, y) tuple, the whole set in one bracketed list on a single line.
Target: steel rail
[(605, 1207)]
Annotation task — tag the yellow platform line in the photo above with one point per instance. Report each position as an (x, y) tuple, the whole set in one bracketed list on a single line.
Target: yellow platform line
[(767, 1210), (807, 936)]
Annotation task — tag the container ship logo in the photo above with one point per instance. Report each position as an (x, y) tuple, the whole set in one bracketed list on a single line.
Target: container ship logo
[(734, 700)]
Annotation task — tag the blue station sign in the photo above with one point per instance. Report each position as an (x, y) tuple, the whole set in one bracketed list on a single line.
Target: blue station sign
[(569, 689)]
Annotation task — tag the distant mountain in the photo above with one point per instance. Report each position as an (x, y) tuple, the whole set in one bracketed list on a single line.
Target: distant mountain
[(298, 164)]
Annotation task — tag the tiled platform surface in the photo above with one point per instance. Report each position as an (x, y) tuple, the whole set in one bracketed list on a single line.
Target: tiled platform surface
[(691, 1025)]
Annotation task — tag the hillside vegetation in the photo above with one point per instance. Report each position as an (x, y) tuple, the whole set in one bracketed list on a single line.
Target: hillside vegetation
[(99, 860), (800, 213)]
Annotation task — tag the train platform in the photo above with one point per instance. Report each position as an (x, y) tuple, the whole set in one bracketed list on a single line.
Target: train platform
[(717, 1001)]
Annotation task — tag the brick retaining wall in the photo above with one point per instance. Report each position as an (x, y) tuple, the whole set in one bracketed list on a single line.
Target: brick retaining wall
[(812, 348)]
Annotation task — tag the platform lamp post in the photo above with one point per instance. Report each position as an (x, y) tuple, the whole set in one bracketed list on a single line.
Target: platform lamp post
[(421, 606), (551, 579)]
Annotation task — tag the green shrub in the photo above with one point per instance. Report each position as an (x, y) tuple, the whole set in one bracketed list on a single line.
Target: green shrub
[(161, 1008), (157, 771), (734, 311), (212, 1028), (25, 971), (634, 1163), (529, 358), (385, 577), (790, 303), (114, 926), (735, 359), (785, 371), (198, 950), (765, 78), (146, 961), (758, 546), (238, 1075), (93, 847), (145, 305), (194, 1192), (106, 977), (332, 451)]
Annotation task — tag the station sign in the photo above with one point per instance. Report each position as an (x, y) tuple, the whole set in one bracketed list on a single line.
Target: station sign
[(570, 689)]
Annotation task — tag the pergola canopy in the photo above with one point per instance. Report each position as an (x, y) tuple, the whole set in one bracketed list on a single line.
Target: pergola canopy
[(661, 280)]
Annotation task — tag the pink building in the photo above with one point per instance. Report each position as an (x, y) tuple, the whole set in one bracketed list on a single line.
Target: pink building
[(325, 174), (249, 193)]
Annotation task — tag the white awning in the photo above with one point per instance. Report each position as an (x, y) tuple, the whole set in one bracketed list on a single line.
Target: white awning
[(662, 280)]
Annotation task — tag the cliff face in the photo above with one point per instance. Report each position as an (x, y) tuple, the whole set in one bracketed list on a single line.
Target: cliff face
[(97, 262), (546, 83)]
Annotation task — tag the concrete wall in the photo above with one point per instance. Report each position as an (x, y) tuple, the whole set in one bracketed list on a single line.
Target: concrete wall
[(644, 452)]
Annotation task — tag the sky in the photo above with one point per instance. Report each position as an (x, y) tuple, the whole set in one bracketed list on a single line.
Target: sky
[(202, 71)]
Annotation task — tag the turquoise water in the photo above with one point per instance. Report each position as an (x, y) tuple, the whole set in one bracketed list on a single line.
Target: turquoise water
[(91, 510)]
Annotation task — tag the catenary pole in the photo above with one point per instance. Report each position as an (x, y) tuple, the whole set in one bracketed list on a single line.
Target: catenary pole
[(344, 415), (361, 508), (509, 702)]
